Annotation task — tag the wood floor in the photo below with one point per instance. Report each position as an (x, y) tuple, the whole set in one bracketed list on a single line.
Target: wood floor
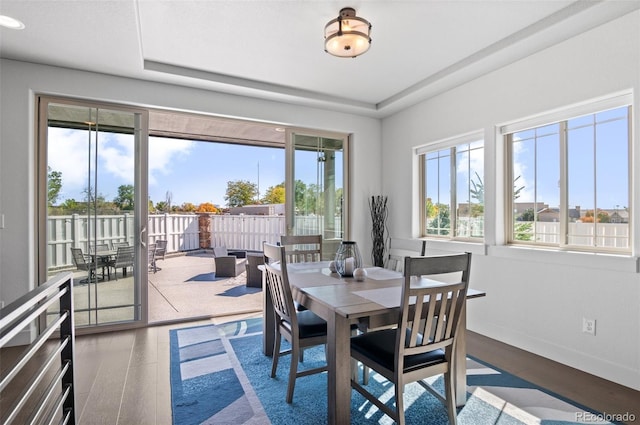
[(122, 378)]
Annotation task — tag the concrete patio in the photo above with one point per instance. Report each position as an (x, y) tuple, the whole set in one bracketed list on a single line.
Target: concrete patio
[(186, 287)]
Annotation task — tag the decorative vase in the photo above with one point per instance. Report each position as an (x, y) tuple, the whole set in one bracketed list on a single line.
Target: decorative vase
[(348, 258), (378, 207)]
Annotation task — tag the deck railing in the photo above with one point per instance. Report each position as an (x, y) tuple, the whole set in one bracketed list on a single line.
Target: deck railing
[(48, 395)]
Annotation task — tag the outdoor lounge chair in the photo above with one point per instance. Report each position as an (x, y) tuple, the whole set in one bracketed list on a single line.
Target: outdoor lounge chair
[(229, 263)]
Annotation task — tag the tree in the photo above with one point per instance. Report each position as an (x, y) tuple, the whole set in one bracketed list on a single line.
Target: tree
[(300, 189), (188, 207), (240, 193), (54, 184), (125, 197), (477, 190), (207, 207), (274, 195), (603, 217), (162, 206), (527, 215)]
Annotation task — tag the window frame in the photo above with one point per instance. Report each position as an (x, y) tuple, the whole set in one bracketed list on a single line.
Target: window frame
[(451, 143), (561, 117)]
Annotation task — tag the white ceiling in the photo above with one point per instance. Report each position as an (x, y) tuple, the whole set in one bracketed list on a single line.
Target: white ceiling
[(274, 49)]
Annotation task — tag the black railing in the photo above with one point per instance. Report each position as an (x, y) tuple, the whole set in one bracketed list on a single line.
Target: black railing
[(47, 394)]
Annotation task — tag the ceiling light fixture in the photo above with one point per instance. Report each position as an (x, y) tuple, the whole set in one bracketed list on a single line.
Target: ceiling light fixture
[(347, 36), (9, 22)]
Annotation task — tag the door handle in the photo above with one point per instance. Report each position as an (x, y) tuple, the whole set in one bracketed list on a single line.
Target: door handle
[(142, 239)]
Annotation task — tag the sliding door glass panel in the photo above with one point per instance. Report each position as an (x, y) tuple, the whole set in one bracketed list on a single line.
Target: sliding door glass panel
[(92, 216), (318, 182)]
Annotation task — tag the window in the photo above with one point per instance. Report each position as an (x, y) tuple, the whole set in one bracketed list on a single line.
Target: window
[(570, 179), (452, 192)]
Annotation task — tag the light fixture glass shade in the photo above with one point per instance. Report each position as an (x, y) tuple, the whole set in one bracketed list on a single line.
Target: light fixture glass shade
[(9, 22), (347, 36)]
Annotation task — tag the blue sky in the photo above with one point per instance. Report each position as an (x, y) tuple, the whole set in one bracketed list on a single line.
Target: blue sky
[(198, 172), (192, 171)]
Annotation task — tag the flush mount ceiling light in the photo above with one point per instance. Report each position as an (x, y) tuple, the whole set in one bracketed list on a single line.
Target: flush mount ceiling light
[(347, 36), (9, 22)]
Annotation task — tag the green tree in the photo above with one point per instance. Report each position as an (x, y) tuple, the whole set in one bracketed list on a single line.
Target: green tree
[(162, 206), (477, 189), (125, 197), (54, 184), (274, 195), (188, 207), (240, 193), (300, 189), (527, 215)]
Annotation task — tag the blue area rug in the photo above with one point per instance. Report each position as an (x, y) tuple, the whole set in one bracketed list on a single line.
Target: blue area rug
[(220, 376)]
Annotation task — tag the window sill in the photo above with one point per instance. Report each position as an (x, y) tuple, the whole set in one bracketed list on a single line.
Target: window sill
[(616, 262), (435, 245)]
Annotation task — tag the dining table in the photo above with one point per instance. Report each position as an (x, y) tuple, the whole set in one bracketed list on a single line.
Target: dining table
[(343, 301)]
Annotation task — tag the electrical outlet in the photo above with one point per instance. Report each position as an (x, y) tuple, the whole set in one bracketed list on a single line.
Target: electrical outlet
[(589, 326)]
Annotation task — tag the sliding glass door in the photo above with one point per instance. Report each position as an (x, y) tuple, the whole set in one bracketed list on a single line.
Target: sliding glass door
[(92, 201), (316, 175)]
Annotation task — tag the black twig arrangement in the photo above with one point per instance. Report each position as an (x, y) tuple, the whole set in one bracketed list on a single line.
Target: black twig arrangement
[(378, 207)]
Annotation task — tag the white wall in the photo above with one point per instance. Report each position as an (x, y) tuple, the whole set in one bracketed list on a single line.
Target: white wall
[(19, 82), (535, 300)]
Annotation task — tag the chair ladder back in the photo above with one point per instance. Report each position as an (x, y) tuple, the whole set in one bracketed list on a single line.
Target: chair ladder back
[(401, 248), (302, 248), (277, 282), (431, 314)]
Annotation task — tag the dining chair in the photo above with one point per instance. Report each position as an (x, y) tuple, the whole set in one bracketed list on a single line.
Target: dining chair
[(117, 245), (400, 248), (423, 343), (301, 328), (302, 248)]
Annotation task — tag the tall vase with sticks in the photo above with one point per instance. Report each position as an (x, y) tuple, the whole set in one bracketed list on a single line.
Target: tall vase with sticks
[(378, 207)]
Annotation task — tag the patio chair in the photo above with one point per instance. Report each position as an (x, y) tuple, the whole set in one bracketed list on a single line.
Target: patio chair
[(161, 249), (85, 263), (117, 245), (229, 263), (124, 259), (152, 250), (101, 260)]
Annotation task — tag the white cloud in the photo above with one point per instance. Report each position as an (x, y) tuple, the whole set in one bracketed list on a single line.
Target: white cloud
[(68, 154), (163, 154)]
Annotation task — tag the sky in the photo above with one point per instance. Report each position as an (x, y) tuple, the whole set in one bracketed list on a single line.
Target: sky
[(191, 171), (198, 172)]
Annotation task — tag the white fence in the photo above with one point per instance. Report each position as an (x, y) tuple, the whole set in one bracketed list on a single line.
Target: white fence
[(181, 231)]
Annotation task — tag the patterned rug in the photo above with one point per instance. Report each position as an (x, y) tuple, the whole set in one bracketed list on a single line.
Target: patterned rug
[(220, 376)]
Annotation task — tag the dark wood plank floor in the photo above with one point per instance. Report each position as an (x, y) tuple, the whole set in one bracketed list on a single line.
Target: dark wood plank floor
[(123, 377)]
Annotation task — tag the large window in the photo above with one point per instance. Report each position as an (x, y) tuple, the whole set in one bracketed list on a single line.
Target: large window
[(569, 179), (452, 195)]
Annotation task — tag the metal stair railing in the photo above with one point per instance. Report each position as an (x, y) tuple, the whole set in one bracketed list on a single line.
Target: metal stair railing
[(47, 396)]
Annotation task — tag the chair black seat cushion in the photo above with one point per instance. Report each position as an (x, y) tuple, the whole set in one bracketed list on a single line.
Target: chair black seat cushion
[(311, 325), (380, 347)]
